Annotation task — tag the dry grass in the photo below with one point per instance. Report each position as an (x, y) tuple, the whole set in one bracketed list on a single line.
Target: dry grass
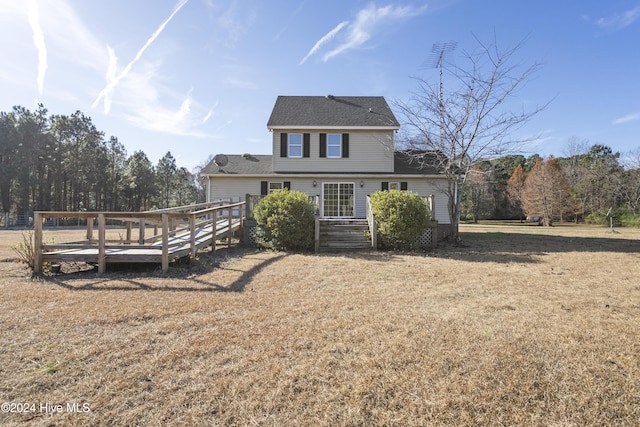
[(518, 326)]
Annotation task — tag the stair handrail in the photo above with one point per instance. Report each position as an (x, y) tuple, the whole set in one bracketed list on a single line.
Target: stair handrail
[(371, 220)]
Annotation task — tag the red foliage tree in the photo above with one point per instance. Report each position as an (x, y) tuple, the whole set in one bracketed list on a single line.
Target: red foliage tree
[(546, 191)]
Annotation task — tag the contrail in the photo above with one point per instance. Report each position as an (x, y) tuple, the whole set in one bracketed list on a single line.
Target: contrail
[(38, 41), (331, 34), (108, 90)]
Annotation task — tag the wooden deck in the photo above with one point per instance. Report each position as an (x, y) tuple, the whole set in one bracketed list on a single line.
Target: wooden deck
[(199, 228)]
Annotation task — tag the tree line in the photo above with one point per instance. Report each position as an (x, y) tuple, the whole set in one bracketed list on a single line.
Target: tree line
[(64, 163), (590, 182)]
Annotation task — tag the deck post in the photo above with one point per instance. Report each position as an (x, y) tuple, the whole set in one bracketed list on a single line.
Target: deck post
[(248, 210), (165, 242), (37, 243), (374, 233), (214, 230), (102, 259), (317, 233), (128, 232), (229, 228), (192, 230), (90, 229), (141, 233)]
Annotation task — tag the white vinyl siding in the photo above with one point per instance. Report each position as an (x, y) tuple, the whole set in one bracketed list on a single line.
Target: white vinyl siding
[(369, 151), (236, 188)]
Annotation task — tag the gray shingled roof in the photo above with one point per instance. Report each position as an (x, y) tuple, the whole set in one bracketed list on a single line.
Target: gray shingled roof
[(242, 164), (414, 162), (331, 111)]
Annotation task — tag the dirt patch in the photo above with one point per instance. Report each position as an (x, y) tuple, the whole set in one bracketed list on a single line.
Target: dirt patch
[(515, 326)]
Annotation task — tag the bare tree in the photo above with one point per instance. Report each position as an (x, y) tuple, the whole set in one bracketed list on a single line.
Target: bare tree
[(476, 200), (465, 116)]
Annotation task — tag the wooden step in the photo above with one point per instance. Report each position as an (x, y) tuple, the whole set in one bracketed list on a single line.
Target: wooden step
[(344, 234)]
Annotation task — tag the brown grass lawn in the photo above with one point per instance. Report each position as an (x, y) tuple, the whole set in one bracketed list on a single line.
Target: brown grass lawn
[(519, 325)]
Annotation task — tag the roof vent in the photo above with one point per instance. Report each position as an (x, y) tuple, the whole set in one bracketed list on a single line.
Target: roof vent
[(331, 96), (246, 155)]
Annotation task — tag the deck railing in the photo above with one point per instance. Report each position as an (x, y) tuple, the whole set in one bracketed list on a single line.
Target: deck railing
[(371, 220), (183, 231)]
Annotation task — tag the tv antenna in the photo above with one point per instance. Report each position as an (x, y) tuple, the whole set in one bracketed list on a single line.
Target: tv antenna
[(439, 52)]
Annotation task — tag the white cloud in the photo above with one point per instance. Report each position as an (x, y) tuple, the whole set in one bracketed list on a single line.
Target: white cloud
[(107, 92), (634, 117), (363, 28), (140, 104), (233, 22), (619, 21), (38, 41), (326, 38)]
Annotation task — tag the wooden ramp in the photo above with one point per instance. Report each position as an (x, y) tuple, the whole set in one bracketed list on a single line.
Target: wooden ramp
[(199, 228)]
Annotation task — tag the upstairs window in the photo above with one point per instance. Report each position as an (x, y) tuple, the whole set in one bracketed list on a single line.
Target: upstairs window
[(334, 145), (295, 145)]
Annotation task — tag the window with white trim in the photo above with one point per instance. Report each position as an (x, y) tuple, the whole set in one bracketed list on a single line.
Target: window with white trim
[(275, 186), (295, 145), (334, 145)]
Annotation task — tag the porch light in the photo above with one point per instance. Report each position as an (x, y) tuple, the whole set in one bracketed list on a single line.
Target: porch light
[(315, 184), (361, 184)]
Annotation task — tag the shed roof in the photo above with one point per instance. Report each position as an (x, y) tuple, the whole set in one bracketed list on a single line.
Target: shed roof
[(241, 164), (405, 163), (332, 112), (416, 162)]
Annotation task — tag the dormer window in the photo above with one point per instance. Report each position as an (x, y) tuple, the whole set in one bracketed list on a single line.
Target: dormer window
[(295, 145)]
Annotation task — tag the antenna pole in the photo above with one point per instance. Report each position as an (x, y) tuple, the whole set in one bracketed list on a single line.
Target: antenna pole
[(440, 50)]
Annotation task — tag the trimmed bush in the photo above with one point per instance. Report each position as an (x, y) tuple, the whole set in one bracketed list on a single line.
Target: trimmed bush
[(285, 221), (401, 218)]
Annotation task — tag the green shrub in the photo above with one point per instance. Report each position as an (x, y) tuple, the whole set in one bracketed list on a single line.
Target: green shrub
[(285, 221), (599, 218), (401, 218), (630, 219), (596, 218)]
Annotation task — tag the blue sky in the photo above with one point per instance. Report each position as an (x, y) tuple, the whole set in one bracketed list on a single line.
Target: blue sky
[(200, 77)]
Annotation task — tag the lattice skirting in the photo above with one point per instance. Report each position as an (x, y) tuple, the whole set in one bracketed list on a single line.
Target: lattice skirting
[(427, 240), (249, 235)]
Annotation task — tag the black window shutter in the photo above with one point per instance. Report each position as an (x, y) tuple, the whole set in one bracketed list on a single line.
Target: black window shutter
[(284, 144), (323, 145), (264, 188), (345, 145), (287, 185), (385, 186), (306, 145), (404, 186)]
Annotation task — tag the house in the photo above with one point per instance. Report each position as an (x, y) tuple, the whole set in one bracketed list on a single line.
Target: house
[(338, 148)]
